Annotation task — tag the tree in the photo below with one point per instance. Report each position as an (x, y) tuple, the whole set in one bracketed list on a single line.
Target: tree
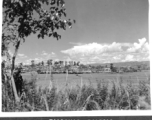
[(21, 65), (111, 67), (78, 63), (20, 21), (42, 63), (39, 64), (60, 62), (49, 62), (32, 63), (75, 63)]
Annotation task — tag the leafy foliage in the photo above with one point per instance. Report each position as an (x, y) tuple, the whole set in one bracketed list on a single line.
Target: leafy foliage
[(31, 16)]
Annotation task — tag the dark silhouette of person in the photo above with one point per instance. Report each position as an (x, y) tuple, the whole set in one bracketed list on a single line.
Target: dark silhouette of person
[(18, 81)]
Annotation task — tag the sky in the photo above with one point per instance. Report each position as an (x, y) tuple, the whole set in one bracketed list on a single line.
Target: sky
[(106, 31)]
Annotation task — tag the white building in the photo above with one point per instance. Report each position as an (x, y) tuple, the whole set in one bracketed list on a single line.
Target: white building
[(107, 70)]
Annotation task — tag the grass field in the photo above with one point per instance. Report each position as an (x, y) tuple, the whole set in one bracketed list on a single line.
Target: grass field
[(102, 91), (73, 80)]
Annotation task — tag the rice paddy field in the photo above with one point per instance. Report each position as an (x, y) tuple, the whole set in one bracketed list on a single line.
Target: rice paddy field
[(73, 80)]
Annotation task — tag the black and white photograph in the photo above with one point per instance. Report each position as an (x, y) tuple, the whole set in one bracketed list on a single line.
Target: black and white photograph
[(75, 55)]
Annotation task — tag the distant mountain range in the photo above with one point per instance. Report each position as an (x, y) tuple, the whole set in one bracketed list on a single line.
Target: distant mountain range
[(120, 64)]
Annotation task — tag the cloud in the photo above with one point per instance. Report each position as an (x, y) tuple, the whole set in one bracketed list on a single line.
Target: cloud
[(142, 46), (129, 58), (38, 57), (28, 61), (114, 52), (95, 48), (56, 59), (74, 43), (22, 55), (53, 53), (36, 60), (44, 53), (48, 55), (44, 56), (66, 58)]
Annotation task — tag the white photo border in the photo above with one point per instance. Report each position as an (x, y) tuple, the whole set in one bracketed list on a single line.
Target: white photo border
[(83, 113)]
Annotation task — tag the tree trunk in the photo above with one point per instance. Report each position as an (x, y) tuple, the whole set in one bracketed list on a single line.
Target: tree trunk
[(12, 72)]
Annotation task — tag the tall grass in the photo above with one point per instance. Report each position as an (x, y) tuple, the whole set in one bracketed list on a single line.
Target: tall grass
[(114, 95)]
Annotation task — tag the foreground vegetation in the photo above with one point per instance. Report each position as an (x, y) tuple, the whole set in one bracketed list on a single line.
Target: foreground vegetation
[(84, 97)]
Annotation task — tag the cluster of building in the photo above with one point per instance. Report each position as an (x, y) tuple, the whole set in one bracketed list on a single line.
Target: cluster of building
[(65, 63), (75, 67), (56, 66)]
